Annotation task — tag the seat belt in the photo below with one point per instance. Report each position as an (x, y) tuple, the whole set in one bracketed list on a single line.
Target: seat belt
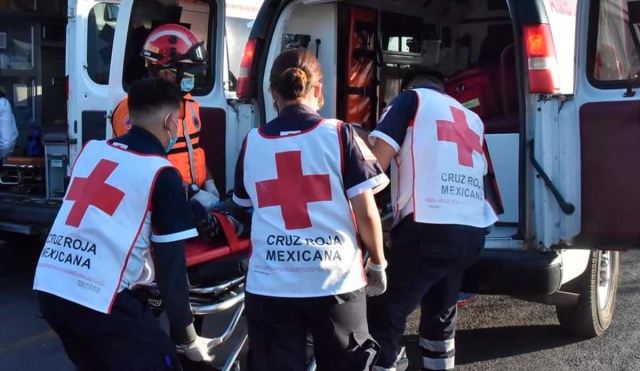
[(187, 138)]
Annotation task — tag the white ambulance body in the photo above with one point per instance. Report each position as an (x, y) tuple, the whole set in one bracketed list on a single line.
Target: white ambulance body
[(82, 58), (563, 158), (562, 155)]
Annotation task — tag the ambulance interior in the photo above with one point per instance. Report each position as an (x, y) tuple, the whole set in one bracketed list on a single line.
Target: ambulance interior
[(32, 76), (462, 39)]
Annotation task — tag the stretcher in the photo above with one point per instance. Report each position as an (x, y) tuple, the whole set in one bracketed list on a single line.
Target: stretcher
[(216, 284), (15, 171)]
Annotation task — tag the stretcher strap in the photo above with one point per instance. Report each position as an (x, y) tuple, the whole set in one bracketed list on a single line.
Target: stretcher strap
[(367, 92), (363, 60), (185, 130), (229, 231)]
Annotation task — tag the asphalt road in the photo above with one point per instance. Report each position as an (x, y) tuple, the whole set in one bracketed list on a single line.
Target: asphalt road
[(494, 333)]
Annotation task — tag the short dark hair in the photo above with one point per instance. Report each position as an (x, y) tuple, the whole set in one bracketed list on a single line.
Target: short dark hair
[(148, 96), (426, 73)]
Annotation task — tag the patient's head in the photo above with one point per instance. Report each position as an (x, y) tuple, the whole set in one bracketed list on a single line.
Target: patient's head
[(296, 77), (422, 76), (154, 104)]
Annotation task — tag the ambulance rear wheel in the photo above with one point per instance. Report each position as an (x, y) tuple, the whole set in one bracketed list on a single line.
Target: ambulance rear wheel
[(597, 287)]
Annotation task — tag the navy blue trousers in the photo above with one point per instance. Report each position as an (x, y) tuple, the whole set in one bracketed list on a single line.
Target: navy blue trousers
[(128, 339), (278, 329), (426, 264)]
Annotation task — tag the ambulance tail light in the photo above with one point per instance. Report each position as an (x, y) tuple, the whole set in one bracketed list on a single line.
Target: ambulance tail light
[(542, 64), (242, 90), (66, 86)]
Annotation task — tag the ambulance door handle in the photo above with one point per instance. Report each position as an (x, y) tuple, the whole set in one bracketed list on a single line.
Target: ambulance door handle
[(566, 207)]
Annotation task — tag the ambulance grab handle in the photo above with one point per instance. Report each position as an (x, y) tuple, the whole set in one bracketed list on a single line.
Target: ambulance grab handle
[(631, 83), (566, 207)]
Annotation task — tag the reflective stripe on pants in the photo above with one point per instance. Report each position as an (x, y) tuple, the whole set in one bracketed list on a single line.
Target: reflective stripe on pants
[(425, 267)]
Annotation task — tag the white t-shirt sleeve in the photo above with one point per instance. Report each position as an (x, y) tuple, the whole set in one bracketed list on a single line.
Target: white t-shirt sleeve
[(8, 129)]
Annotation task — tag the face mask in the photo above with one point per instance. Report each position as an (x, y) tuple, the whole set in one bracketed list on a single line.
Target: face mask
[(172, 141), (187, 83)]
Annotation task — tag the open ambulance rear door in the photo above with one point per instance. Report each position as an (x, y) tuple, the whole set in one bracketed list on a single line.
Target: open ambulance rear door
[(205, 18), (89, 40), (607, 124)]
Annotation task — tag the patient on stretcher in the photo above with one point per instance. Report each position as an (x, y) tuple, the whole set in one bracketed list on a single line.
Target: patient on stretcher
[(221, 251), (209, 224)]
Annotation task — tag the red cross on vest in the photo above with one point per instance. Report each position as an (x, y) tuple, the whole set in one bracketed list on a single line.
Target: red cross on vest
[(458, 132), (93, 191), (293, 191)]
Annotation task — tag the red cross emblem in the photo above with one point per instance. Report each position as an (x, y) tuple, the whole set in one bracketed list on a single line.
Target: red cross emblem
[(93, 191), (293, 191), (458, 132)]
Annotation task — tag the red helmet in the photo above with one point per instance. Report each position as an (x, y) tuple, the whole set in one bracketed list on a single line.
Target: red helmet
[(172, 43)]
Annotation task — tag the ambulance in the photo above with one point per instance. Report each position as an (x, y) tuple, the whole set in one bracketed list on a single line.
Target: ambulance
[(554, 81), (64, 66)]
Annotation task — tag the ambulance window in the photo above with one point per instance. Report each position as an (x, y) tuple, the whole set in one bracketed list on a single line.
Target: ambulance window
[(401, 33), (100, 31), (614, 40), (146, 15), (238, 30)]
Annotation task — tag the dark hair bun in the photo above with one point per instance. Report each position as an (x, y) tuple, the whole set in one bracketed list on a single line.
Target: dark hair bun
[(294, 73), (293, 83)]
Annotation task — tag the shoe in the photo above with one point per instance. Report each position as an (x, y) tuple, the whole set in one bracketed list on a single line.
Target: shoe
[(464, 298)]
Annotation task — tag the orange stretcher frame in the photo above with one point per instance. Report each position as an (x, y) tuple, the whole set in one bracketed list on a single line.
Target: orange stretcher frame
[(199, 251)]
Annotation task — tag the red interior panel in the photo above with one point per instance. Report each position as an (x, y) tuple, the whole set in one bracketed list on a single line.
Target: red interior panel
[(610, 154), (212, 140)]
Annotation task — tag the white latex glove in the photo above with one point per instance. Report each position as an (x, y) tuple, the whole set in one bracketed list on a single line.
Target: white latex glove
[(198, 351), (206, 199), (377, 278), (210, 187)]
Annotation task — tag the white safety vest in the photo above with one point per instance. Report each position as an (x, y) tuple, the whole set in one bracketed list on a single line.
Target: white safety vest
[(444, 144), (100, 219), (303, 233)]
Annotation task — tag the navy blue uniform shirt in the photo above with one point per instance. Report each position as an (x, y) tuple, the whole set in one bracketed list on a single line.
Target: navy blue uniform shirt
[(171, 223), (395, 121), (298, 117)]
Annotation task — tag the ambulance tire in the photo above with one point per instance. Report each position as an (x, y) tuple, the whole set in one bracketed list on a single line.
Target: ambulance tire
[(593, 315)]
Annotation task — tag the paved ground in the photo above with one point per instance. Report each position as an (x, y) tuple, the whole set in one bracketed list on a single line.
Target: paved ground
[(495, 333)]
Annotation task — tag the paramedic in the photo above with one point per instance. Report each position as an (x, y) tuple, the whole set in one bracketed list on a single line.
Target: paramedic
[(87, 273), (300, 172), (174, 53), (8, 129), (441, 215)]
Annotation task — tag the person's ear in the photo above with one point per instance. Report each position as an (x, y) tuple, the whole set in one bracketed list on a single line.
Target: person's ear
[(276, 97), (170, 121), (317, 91)]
